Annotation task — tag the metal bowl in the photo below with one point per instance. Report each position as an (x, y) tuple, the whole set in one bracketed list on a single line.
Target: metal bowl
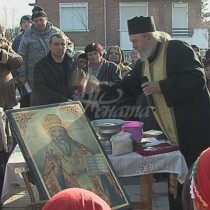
[(105, 128)]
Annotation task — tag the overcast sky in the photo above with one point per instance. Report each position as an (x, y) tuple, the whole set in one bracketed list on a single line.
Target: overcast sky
[(15, 9)]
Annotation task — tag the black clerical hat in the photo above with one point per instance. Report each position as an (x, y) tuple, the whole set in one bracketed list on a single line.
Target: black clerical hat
[(138, 25)]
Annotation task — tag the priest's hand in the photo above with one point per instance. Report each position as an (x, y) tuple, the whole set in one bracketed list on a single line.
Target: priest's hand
[(150, 88)]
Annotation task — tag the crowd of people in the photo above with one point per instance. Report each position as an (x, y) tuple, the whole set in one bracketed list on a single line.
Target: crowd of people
[(47, 70)]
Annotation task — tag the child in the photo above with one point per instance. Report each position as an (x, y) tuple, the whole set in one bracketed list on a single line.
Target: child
[(82, 61)]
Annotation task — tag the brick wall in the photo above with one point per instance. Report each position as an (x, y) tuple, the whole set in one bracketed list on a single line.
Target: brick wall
[(95, 24), (113, 22), (161, 10)]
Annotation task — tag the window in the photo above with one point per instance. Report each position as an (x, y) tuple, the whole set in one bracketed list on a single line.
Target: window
[(74, 17), (128, 11), (180, 20), (180, 15)]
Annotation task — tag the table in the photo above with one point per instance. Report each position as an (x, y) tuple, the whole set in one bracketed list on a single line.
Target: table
[(131, 164)]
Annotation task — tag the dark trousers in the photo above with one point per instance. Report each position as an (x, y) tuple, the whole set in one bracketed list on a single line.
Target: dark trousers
[(4, 156), (3, 161), (175, 203), (25, 101)]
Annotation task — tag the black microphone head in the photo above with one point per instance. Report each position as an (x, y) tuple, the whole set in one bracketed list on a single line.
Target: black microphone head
[(145, 79)]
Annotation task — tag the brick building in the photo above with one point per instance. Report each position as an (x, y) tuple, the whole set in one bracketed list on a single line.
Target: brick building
[(105, 21)]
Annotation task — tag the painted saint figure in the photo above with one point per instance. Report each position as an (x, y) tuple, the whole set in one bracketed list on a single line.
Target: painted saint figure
[(69, 163)]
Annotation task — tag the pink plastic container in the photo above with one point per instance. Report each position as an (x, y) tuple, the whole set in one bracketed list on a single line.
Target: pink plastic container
[(135, 128)]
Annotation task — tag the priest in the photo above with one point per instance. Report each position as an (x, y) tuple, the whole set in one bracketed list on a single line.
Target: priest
[(172, 78)]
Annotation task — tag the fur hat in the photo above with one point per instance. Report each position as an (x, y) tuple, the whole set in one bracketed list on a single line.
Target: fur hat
[(38, 12), (139, 25)]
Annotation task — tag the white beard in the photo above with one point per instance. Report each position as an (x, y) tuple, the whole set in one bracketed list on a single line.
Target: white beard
[(148, 52)]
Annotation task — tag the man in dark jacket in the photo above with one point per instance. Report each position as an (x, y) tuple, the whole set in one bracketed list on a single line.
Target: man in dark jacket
[(176, 83), (34, 46), (53, 74)]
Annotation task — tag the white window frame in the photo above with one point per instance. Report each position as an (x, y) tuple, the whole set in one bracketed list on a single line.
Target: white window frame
[(130, 4), (180, 5), (81, 17), (125, 43)]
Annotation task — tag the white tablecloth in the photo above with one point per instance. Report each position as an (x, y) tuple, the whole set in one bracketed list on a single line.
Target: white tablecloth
[(131, 164)]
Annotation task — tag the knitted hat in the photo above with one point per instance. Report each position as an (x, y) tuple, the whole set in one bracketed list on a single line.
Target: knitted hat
[(26, 18), (38, 12), (138, 25)]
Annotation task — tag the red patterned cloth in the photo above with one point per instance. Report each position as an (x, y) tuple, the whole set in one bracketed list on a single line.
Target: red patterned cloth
[(201, 176), (76, 199), (157, 149)]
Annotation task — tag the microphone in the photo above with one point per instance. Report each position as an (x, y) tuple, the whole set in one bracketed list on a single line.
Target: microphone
[(149, 97)]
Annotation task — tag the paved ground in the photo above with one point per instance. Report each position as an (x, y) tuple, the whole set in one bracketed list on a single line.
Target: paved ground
[(20, 197)]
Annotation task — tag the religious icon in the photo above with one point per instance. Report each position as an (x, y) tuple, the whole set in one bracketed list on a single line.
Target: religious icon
[(63, 151)]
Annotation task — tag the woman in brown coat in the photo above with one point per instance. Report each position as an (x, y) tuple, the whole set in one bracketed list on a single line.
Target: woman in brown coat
[(8, 60)]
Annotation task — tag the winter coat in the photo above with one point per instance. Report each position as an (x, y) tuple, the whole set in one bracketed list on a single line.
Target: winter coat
[(8, 60), (104, 98), (48, 87), (33, 47), (185, 90), (16, 42)]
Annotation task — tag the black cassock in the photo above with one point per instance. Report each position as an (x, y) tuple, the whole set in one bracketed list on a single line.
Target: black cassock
[(185, 90)]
